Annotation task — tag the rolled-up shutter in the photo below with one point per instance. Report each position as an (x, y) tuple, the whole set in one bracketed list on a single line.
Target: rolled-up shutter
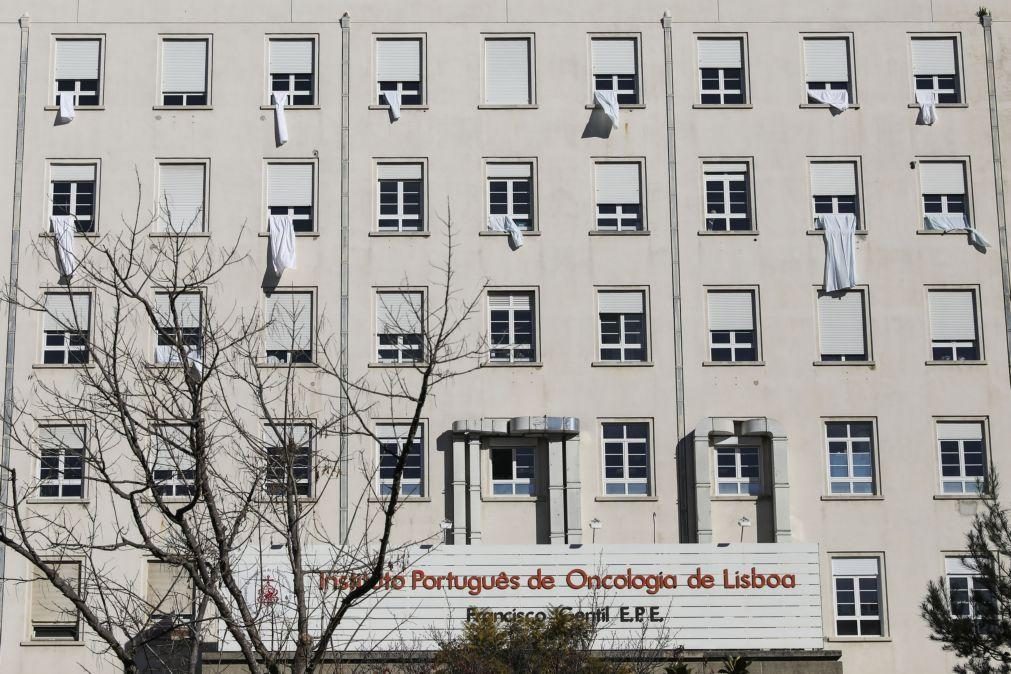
[(841, 323), (399, 171), (290, 319), (833, 179), (939, 177), (49, 605), (398, 60), (289, 184), (169, 589), (952, 315), (509, 170), (182, 196), (77, 59), (720, 52), (72, 172), (733, 170), (959, 430), (299, 434), (934, 56), (518, 301), (613, 56), (67, 311), (291, 56), (617, 183), (731, 310), (187, 310), (826, 60), (855, 566), (62, 437), (507, 71), (621, 302), (399, 312), (184, 66), (960, 566)]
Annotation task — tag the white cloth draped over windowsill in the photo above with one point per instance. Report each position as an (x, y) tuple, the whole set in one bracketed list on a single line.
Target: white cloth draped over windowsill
[(927, 100), (67, 113), (280, 100), (954, 222), (281, 230), (64, 227), (840, 256), (608, 102), (393, 99), (503, 223), (837, 99)]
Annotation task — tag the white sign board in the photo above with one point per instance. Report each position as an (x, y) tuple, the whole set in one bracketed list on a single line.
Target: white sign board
[(702, 597)]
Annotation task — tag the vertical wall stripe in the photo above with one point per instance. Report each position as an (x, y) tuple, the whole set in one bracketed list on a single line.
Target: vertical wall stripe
[(345, 464)]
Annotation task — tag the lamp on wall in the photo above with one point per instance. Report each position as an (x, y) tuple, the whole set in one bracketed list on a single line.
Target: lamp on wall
[(594, 525), (446, 525), (743, 522)]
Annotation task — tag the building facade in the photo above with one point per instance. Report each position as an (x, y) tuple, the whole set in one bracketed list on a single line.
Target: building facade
[(664, 360)]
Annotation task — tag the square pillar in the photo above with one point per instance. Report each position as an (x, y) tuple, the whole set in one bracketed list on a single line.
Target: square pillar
[(573, 492), (703, 488), (781, 490), (458, 483), (474, 487), (556, 491)]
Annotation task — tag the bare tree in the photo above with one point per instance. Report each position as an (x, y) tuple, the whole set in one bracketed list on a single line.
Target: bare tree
[(204, 456)]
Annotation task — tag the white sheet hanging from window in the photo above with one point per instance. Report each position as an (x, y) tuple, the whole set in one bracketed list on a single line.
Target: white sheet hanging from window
[(927, 100), (608, 102), (393, 99), (282, 242), (63, 236), (67, 113), (837, 99), (503, 223), (280, 100), (840, 257), (954, 222)]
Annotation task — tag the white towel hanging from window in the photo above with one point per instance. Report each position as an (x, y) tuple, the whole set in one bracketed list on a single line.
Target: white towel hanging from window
[(608, 102), (837, 99), (280, 100), (954, 222), (282, 242), (393, 100), (840, 257), (63, 236), (67, 113), (503, 223), (927, 100)]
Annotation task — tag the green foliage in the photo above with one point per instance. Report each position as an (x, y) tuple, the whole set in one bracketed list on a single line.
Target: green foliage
[(735, 664), (677, 668)]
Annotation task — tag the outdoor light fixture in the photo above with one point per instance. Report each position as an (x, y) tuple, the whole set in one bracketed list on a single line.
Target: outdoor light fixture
[(594, 525), (446, 525), (743, 522)]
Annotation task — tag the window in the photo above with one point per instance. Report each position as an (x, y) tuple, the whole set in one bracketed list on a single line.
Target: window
[(732, 334), (510, 193), (622, 325), (169, 590), (728, 202), (827, 64), (291, 70), (77, 72), (942, 184), (289, 328), (391, 442), (289, 460), (290, 192), (626, 458), (174, 469), (965, 587), (507, 75), (935, 67), (401, 198), (66, 328), (856, 583), (398, 69), (953, 325), (53, 615), (834, 189), (178, 328), (181, 197), (721, 71), (850, 457), (963, 457), (738, 471), (841, 326), (619, 200), (184, 72), (72, 190), (512, 471), (400, 321), (615, 67), (61, 461), (512, 327)]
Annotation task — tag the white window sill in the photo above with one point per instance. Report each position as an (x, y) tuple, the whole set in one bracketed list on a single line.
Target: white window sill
[(52, 642), (82, 235), (723, 106), (621, 106), (852, 497), (485, 232), (958, 497), (401, 500), (732, 497), (706, 232), (403, 365), (77, 108), (844, 363), (182, 108), (821, 232), (278, 366), (423, 106), (622, 363), (54, 500), (938, 232), (625, 498), (733, 363), (955, 362), (298, 235), (630, 232), (808, 106), (532, 363), (292, 107), (941, 105), (490, 498), (61, 366), (502, 106), (408, 235), (859, 639), (180, 235)]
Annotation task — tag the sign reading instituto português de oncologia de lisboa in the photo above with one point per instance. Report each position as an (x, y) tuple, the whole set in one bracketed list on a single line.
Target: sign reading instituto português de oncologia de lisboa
[(704, 597)]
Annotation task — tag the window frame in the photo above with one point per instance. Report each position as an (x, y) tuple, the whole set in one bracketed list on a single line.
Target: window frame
[(51, 103), (205, 207), (636, 37), (959, 66), (534, 214), (313, 328), (650, 481), (535, 346), (270, 444), (643, 228), (980, 342), (531, 71), (178, 480), (969, 211), (745, 70), (749, 162), (512, 445), (265, 200), (851, 84), (876, 492), (400, 347), (984, 423), (60, 482), (32, 637), (971, 588), (158, 291), (882, 597), (267, 103), (423, 211), (47, 196), (819, 290), (647, 328), (736, 445), (424, 482), (209, 65), (860, 211), (63, 290), (756, 313), (374, 103)]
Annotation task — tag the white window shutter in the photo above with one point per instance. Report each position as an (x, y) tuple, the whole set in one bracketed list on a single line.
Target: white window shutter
[(398, 171), (291, 56), (182, 196), (959, 430), (290, 321), (72, 172), (184, 66), (826, 60), (720, 52), (733, 170), (509, 170), (617, 183), (289, 184), (613, 56), (960, 566), (187, 310), (518, 301), (841, 323), (49, 605), (731, 310), (62, 437), (169, 588), (833, 179), (855, 566), (934, 56), (67, 312), (942, 177), (398, 60), (77, 59), (507, 71), (621, 302), (399, 313), (952, 315)]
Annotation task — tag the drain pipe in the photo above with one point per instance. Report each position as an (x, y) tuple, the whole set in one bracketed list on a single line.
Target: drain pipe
[(12, 317), (345, 276)]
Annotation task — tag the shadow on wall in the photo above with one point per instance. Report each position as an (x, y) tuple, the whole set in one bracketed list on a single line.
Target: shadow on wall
[(598, 125)]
